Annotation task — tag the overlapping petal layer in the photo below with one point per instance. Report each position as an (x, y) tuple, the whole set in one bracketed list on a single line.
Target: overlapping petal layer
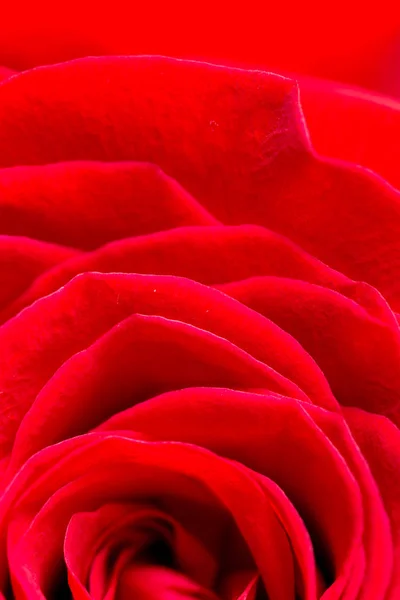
[(199, 354)]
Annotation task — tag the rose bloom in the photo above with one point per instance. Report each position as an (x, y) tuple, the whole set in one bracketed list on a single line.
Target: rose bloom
[(200, 288)]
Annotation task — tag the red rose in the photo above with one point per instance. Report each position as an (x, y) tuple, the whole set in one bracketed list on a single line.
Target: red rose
[(199, 349)]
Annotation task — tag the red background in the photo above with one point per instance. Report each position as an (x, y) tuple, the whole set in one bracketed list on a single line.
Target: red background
[(351, 41)]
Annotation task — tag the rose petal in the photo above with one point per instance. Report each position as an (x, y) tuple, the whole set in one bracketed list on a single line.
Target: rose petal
[(60, 325), (358, 354), (87, 204), (374, 573), (209, 255), (88, 533), (195, 415), (354, 125), (22, 260), (379, 441), (235, 140), (233, 485), (5, 73), (137, 359), (153, 583)]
